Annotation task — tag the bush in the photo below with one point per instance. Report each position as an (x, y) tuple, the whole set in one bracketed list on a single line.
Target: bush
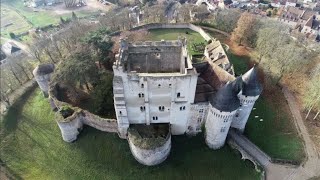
[(66, 111), (12, 35)]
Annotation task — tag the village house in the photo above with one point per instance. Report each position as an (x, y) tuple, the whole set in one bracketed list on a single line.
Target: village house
[(294, 16)]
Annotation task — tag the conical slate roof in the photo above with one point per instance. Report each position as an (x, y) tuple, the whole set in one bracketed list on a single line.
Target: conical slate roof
[(251, 85), (226, 98), (43, 69)]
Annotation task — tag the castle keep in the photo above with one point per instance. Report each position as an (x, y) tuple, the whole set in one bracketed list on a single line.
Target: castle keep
[(159, 92)]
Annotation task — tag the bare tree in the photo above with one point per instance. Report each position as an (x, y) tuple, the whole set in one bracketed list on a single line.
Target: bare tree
[(245, 30)]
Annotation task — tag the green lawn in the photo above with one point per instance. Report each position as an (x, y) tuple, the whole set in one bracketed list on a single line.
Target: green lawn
[(32, 148), (41, 17), (18, 24), (276, 133), (173, 34)]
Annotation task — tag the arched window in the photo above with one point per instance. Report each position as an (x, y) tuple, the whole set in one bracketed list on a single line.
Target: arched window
[(142, 85), (139, 95)]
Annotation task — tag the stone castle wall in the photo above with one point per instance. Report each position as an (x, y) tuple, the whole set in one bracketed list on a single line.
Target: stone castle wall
[(70, 127), (151, 157), (205, 35)]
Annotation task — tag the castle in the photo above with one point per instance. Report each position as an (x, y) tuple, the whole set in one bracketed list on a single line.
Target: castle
[(156, 82), (156, 85)]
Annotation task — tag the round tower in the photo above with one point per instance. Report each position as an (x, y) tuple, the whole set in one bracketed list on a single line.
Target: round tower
[(42, 74), (222, 109), (251, 90)]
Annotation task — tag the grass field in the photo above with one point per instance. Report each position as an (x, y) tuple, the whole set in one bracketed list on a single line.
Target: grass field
[(32, 148), (276, 134), (11, 21), (41, 17), (173, 34)]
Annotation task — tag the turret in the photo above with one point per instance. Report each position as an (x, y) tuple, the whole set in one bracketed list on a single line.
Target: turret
[(251, 90), (42, 74), (222, 109)]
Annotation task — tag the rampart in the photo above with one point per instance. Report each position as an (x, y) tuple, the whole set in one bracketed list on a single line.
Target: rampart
[(198, 29)]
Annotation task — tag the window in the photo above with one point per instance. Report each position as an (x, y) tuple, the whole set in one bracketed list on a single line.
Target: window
[(161, 108), (199, 120), (120, 112), (178, 95), (201, 111), (225, 120), (169, 85), (142, 85), (142, 108), (142, 95), (237, 115), (182, 108), (155, 118), (159, 85), (223, 129), (139, 95)]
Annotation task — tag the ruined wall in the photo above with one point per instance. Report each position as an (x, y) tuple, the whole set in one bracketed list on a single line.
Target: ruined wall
[(151, 157), (103, 124), (43, 82), (70, 127)]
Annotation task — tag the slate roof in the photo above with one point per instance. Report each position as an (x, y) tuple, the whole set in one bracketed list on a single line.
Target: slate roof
[(251, 85), (226, 98)]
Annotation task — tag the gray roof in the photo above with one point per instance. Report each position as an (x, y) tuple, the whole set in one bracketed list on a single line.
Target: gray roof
[(251, 85), (226, 98), (43, 69)]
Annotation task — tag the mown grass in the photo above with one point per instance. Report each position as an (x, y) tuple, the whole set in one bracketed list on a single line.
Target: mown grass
[(276, 133), (19, 25), (33, 149), (173, 34), (41, 17)]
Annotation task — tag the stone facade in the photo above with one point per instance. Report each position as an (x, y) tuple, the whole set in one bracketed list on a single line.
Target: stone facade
[(151, 157), (156, 83)]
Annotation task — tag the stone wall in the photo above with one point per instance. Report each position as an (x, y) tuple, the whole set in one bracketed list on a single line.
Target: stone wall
[(70, 127), (151, 157), (198, 29)]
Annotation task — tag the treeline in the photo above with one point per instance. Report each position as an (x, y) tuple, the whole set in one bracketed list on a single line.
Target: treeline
[(279, 54)]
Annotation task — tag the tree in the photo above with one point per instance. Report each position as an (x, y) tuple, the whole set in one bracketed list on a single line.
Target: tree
[(78, 68), (184, 13), (201, 12), (12, 35), (102, 46), (74, 16), (269, 37), (102, 95), (246, 29), (226, 20), (311, 98)]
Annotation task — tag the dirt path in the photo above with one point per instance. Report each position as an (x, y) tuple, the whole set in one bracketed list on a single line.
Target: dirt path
[(310, 168)]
